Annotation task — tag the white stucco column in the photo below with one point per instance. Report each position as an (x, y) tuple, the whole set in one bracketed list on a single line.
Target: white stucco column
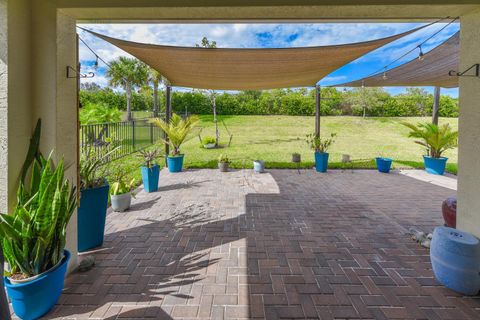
[(15, 97), (468, 209), (54, 96)]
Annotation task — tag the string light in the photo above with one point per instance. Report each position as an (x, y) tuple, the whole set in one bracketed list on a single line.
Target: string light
[(421, 55), (385, 77), (95, 66)]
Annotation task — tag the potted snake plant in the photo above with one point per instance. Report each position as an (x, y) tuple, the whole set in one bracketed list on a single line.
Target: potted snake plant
[(436, 139), (33, 235), (121, 193), (177, 131), (320, 146), (94, 189), (150, 170)]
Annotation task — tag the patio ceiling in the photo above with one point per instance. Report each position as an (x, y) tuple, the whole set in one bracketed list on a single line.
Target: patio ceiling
[(431, 71), (244, 69)]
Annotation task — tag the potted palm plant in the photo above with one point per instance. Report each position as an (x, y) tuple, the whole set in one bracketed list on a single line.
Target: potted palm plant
[(121, 193), (33, 235), (94, 189), (436, 139), (223, 163), (150, 170), (320, 146), (177, 131)]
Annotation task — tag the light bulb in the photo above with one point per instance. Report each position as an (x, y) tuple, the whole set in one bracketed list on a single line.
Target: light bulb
[(384, 77)]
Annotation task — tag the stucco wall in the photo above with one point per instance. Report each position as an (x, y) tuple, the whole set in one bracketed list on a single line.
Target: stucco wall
[(469, 129), (15, 97), (54, 96)]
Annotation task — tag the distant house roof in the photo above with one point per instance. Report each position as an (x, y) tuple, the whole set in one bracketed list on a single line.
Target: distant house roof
[(433, 70), (242, 69)]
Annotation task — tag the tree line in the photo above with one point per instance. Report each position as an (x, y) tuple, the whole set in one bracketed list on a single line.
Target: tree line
[(299, 102)]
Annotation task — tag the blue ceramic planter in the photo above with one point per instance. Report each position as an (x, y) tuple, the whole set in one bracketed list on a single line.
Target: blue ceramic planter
[(150, 178), (33, 299), (321, 161), (175, 164), (383, 164), (435, 165), (91, 217), (455, 257)]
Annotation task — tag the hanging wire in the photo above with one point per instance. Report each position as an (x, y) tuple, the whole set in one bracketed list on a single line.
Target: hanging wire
[(97, 57), (418, 46)]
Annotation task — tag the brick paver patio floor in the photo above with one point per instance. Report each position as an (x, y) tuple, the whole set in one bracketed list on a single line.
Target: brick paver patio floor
[(233, 245)]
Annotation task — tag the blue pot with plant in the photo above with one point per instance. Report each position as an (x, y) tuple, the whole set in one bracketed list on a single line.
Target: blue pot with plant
[(33, 235), (383, 164), (320, 146), (435, 165), (321, 161), (177, 131), (175, 163), (436, 139), (92, 212), (150, 171)]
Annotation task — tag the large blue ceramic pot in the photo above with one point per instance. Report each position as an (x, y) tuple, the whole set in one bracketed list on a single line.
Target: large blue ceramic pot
[(33, 299), (175, 164), (455, 257), (435, 165), (321, 161), (383, 164), (150, 178), (91, 217)]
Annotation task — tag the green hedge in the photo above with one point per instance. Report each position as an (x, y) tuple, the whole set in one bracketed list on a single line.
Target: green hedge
[(375, 101)]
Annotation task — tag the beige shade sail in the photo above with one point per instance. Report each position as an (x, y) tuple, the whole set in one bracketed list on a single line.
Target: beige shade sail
[(247, 69), (433, 70)]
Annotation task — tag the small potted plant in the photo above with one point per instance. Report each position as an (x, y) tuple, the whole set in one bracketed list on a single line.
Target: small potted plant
[(223, 163), (121, 193), (259, 166), (436, 139), (94, 189), (177, 131), (296, 157), (209, 142), (320, 146), (150, 170), (33, 236)]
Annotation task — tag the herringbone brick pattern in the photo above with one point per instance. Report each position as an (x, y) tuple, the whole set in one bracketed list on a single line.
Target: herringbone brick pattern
[(240, 245)]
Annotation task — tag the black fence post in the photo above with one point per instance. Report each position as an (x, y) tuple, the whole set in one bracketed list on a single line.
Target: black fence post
[(133, 135)]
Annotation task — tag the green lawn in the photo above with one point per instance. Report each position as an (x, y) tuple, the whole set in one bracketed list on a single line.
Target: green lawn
[(275, 138)]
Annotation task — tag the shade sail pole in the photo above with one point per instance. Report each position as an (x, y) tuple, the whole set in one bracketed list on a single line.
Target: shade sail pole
[(168, 112), (317, 110), (436, 105)]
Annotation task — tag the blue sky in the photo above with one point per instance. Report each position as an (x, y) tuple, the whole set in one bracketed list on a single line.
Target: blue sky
[(271, 35)]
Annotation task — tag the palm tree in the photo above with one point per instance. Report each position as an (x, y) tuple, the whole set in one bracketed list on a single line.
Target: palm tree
[(156, 78), (127, 73)]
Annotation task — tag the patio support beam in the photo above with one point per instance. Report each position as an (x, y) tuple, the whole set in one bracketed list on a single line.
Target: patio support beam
[(168, 112), (436, 105), (468, 209), (317, 110)]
